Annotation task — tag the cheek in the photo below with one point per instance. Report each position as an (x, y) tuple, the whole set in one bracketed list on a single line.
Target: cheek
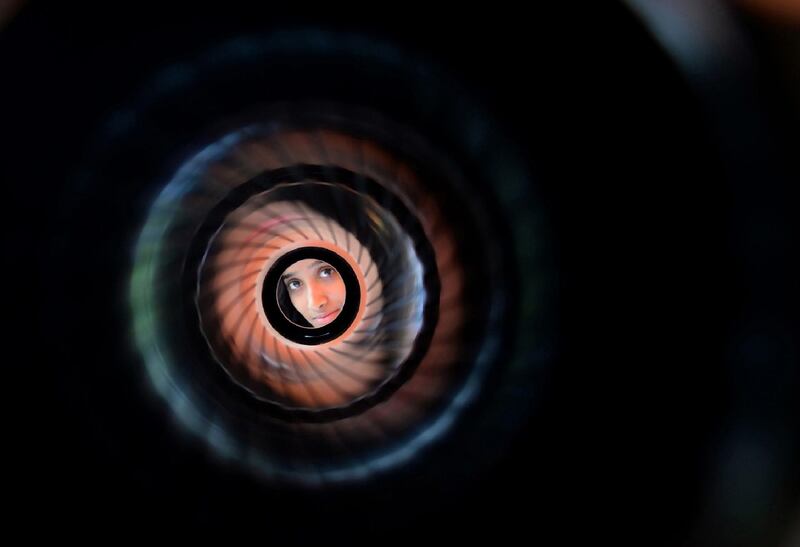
[(339, 290), (297, 299)]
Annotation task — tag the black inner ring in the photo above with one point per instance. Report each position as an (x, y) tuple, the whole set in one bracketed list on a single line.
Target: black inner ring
[(297, 333)]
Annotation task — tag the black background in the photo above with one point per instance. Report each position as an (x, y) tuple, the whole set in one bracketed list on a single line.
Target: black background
[(653, 293)]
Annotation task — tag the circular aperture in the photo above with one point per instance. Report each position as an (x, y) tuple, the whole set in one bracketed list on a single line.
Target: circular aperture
[(311, 295)]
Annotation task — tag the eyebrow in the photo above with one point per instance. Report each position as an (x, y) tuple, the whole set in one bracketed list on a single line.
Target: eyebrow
[(313, 264)]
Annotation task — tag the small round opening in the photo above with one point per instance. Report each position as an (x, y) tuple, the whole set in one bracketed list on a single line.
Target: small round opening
[(311, 295)]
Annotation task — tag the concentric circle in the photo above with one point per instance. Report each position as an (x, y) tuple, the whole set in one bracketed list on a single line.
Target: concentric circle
[(270, 223), (290, 328), (432, 234)]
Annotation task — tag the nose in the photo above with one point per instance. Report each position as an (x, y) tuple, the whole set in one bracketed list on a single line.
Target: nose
[(317, 299)]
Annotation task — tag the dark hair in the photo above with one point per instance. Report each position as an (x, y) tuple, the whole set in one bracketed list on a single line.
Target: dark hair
[(288, 309)]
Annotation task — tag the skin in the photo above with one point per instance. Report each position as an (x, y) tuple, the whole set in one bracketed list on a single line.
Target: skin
[(316, 290)]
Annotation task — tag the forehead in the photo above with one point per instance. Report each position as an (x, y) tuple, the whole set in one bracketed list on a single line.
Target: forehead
[(304, 266)]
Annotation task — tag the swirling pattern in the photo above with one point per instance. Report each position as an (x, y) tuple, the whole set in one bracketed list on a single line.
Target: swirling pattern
[(368, 353), (272, 189)]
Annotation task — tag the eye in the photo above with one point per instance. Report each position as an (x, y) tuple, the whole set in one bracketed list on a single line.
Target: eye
[(327, 271), (293, 284)]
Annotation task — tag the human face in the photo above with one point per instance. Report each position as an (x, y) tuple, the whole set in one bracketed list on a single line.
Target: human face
[(316, 290)]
